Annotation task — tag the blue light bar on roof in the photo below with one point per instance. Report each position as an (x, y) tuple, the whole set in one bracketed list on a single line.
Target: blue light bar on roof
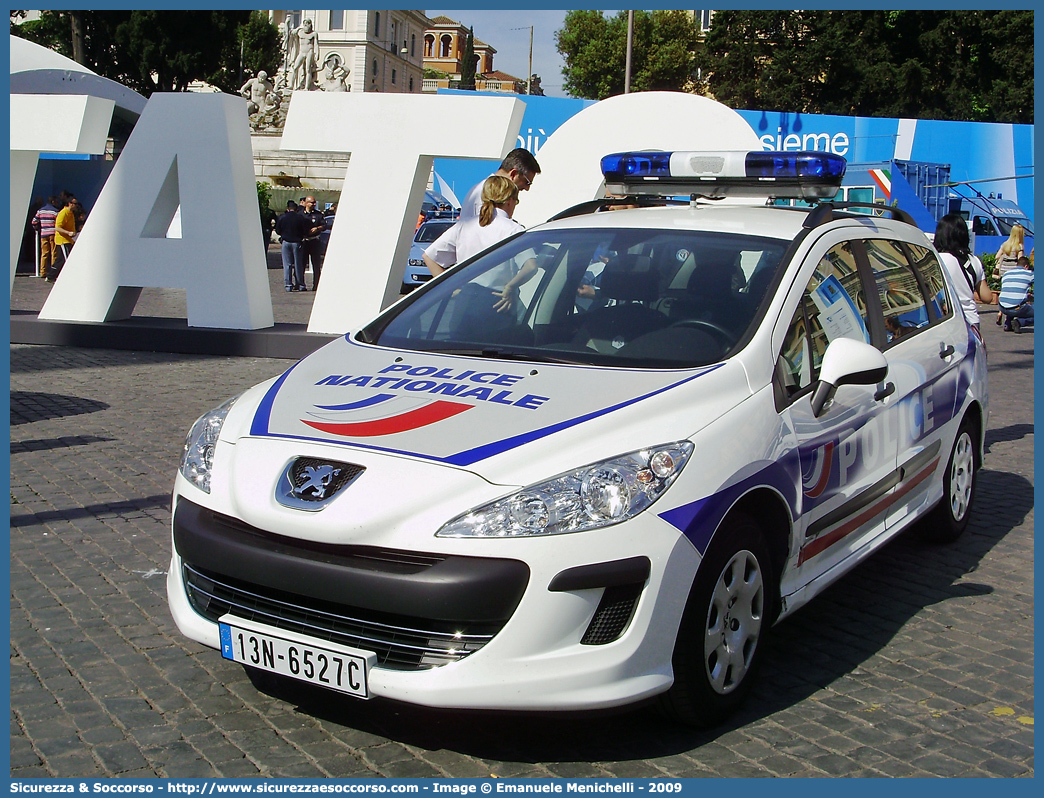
[(808, 175)]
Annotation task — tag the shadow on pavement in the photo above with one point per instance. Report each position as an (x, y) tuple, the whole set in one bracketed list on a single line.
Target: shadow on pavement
[(30, 406), (108, 509), (49, 444), (1013, 432)]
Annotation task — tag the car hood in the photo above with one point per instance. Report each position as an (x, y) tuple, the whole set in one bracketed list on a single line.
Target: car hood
[(493, 417)]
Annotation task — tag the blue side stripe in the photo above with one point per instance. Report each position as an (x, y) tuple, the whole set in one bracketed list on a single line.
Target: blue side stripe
[(470, 456), (699, 520), (259, 426)]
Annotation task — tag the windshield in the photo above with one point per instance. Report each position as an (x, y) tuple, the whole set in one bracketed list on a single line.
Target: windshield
[(628, 297), (429, 231), (1006, 223)]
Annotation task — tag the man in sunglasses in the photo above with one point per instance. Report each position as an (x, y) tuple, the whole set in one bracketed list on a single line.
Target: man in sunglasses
[(519, 166)]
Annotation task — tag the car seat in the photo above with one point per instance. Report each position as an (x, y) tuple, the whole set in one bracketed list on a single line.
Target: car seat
[(631, 286)]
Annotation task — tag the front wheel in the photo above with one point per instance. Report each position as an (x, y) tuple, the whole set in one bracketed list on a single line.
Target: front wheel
[(949, 519), (722, 634)]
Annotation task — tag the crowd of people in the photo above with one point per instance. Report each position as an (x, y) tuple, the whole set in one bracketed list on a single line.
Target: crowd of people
[(57, 223), (300, 231), (1013, 269)]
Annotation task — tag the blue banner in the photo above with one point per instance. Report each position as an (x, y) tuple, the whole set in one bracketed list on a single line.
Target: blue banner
[(999, 155)]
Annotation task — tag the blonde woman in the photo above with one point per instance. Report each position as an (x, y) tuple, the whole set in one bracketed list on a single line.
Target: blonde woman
[(471, 236), (1008, 255)]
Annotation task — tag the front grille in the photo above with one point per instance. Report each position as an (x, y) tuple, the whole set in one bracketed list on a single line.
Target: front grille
[(400, 643), (345, 473), (613, 614)]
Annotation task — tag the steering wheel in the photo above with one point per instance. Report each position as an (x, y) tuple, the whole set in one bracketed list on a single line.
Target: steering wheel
[(720, 332)]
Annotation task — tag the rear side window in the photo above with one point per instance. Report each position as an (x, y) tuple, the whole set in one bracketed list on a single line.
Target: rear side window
[(927, 266), (832, 306)]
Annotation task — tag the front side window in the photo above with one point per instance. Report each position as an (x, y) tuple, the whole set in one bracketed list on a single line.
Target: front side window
[(630, 297), (832, 306)]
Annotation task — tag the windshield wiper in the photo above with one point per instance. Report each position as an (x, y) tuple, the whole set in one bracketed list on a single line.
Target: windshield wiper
[(506, 354)]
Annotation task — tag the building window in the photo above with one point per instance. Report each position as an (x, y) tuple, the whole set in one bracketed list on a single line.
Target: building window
[(375, 67), (377, 23), (393, 77), (337, 20), (411, 82), (447, 46), (429, 46), (413, 43)]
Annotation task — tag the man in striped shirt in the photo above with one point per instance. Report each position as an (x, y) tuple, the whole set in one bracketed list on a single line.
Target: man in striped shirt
[(1014, 294), (43, 224)]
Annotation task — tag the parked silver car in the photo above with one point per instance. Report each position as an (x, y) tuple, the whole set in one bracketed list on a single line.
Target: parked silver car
[(416, 272)]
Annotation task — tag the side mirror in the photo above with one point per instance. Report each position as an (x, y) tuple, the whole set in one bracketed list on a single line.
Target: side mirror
[(847, 362)]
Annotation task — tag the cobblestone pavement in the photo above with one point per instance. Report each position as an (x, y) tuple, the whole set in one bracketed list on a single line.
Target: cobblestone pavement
[(918, 663)]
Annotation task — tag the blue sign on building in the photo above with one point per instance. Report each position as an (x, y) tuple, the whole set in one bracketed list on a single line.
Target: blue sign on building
[(998, 155)]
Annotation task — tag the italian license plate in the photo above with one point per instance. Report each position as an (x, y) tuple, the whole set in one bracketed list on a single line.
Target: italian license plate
[(297, 656)]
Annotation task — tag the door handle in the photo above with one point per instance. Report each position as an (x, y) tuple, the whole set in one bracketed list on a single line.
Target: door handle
[(945, 350), (884, 392)]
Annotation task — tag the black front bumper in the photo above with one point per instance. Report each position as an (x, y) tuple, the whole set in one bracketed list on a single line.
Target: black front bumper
[(413, 609)]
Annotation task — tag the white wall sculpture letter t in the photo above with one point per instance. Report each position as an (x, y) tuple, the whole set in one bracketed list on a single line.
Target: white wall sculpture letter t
[(393, 139), (187, 150)]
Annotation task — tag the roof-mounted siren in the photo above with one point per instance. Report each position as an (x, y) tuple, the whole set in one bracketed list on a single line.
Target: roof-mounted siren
[(806, 175)]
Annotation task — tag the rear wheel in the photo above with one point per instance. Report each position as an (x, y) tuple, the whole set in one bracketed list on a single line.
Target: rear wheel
[(722, 634), (950, 517)]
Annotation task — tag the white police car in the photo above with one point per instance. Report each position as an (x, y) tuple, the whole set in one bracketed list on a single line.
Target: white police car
[(596, 463)]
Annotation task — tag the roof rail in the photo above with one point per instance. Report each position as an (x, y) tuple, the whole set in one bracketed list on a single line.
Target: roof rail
[(591, 206), (824, 212)]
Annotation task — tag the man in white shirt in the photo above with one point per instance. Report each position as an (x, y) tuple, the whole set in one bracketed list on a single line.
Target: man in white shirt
[(519, 166)]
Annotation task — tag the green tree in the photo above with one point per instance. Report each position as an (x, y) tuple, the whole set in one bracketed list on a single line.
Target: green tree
[(595, 52), (145, 50), (963, 65), (469, 62), (256, 45)]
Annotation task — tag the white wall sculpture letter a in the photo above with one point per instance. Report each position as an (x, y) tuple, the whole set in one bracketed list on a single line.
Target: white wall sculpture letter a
[(191, 150), (49, 123)]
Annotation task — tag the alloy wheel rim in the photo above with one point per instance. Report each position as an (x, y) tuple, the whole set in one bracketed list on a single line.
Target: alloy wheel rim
[(734, 621), (961, 474)]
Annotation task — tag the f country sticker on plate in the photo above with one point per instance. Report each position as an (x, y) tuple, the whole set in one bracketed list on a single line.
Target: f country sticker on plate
[(296, 656)]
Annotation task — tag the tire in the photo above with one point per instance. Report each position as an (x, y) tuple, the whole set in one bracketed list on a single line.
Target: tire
[(721, 639), (949, 519)]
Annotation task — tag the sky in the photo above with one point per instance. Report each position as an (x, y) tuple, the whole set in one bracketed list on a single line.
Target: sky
[(508, 33)]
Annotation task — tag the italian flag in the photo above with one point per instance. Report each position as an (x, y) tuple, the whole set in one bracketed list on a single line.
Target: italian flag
[(883, 178)]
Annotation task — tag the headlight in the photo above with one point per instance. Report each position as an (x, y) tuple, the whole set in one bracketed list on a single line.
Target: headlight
[(197, 458), (594, 496)]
